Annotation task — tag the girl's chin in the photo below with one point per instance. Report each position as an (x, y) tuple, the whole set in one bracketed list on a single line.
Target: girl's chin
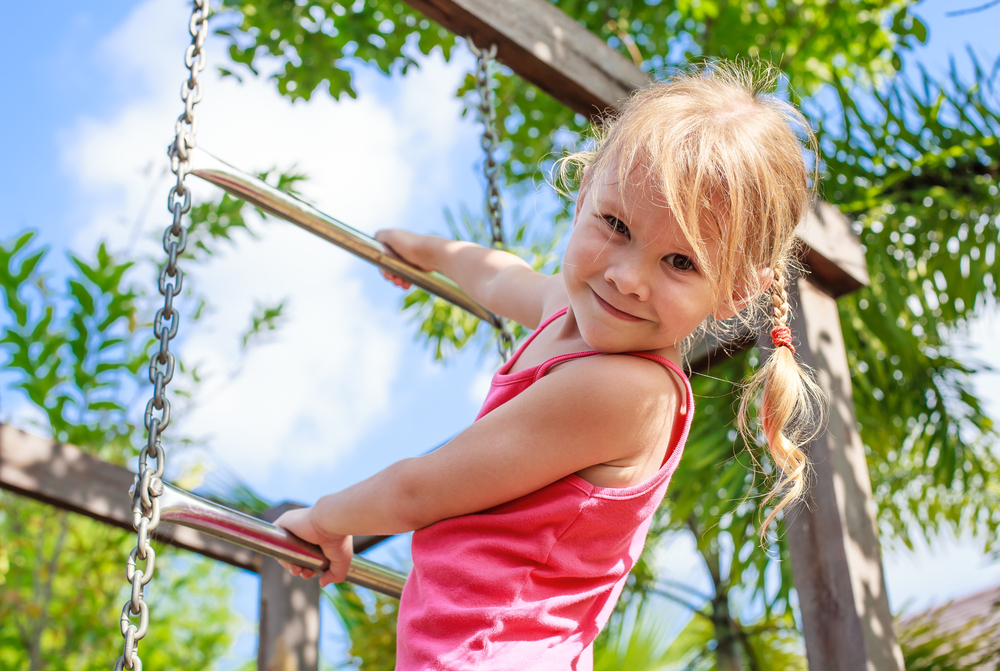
[(603, 339)]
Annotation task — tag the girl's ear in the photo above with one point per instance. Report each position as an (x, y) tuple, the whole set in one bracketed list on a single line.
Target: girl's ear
[(742, 298), (582, 194)]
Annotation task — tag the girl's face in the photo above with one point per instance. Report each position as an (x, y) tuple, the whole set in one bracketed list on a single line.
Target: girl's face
[(631, 276)]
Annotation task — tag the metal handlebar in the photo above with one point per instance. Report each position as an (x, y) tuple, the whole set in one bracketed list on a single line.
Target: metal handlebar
[(293, 210), (187, 510)]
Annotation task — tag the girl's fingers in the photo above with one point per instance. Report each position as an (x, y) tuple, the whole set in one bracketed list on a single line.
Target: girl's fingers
[(328, 579), (303, 573), (396, 279)]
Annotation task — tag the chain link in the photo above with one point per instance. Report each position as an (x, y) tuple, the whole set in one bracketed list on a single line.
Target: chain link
[(148, 484), (485, 59)]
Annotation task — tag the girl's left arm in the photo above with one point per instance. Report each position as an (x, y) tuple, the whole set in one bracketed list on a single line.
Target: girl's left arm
[(589, 412)]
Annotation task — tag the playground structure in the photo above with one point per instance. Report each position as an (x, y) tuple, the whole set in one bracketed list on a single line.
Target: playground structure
[(833, 541)]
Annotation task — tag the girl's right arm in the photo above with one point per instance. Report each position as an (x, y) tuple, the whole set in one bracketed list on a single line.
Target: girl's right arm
[(499, 281)]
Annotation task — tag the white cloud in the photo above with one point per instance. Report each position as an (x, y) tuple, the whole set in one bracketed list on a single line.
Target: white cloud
[(480, 386), (322, 381), (326, 379)]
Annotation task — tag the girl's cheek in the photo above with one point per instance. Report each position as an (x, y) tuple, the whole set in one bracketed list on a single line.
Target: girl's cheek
[(588, 250), (576, 259)]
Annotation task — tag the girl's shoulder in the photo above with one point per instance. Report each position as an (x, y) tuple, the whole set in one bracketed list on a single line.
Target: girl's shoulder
[(623, 411), (645, 385)]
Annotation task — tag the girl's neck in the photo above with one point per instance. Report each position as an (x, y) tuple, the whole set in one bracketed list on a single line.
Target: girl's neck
[(567, 332)]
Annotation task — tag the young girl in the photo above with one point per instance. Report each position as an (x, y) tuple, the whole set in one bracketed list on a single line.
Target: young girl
[(528, 522)]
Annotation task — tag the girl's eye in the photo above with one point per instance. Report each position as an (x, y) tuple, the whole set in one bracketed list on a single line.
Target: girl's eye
[(680, 262), (618, 226)]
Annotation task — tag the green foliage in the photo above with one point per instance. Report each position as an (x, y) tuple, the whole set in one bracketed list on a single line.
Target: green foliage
[(312, 40), (638, 643), (919, 164), (447, 328), (371, 626), (74, 348), (264, 319), (973, 645), (71, 348), (775, 643), (62, 588)]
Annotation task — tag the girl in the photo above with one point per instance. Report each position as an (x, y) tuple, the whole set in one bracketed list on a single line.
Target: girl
[(529, 521)]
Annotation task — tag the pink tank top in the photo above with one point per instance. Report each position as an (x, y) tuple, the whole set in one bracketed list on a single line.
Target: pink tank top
[(527, 585)]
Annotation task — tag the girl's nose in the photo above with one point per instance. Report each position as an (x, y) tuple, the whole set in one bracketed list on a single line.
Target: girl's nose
[(629, 277)]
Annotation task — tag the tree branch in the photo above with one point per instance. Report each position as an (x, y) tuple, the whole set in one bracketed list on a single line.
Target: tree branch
[(972, 10), (35, 650), (676, 599), (681, 586)]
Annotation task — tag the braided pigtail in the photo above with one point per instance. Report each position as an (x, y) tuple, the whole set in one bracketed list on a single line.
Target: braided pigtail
[(790, 408)]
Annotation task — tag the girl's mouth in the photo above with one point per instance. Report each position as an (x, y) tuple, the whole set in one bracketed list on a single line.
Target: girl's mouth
[(615, 312)]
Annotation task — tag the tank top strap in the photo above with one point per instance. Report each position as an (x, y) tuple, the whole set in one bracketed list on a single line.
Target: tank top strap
[(541, 327), (544, 368), (686, 412), (527, 341)]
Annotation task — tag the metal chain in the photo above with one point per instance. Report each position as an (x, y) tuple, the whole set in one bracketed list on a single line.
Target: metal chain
[(148, 484), (485, 58)]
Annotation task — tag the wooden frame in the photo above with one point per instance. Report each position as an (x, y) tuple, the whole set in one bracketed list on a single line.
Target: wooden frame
[(836, 556)]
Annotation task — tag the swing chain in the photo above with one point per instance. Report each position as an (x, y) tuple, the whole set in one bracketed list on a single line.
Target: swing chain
[(148, 483), (490, 140), (485, 58)]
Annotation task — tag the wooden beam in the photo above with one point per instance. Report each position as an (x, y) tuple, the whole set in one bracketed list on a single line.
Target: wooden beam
[(710, 350), (833, 537), (545, 46), (66, 477), (832, 252)]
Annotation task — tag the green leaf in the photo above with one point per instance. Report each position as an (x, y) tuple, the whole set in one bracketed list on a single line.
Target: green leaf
[(83, 297), (107, 405)]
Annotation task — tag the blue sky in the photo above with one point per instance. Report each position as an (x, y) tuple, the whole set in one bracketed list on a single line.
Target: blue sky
[(343, 390)]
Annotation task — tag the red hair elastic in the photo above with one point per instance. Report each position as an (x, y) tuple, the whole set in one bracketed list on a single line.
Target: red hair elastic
[(781, 336)]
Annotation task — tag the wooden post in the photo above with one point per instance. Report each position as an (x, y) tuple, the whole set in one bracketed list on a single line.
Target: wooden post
[(288, 639), (833, 538)]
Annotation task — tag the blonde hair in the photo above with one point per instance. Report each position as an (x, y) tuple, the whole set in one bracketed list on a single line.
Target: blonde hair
[(726, 156)]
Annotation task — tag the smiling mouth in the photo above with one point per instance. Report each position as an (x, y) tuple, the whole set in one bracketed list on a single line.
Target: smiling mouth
[(615, 312)]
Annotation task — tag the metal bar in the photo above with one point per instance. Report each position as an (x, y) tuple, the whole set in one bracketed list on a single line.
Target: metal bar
[(295, 211), (187, 510)]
